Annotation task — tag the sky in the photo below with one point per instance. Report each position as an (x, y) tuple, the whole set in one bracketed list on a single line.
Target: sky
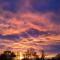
[(28, 24)]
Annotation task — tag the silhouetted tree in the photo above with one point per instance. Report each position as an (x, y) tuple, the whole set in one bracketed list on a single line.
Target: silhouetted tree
[(30, 54), (57, 57), (26, 56), (36, 57), (52, 58), (7, 55), (43, 55)]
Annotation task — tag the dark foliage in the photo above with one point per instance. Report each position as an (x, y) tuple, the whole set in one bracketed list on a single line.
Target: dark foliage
[(7, 55), (28, 55)]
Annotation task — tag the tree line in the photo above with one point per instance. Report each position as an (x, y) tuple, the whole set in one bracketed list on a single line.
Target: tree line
[(30, 54)]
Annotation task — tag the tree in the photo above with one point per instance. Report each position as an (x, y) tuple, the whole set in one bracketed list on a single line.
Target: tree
[(7, 55), (26, 56), (43, 55), (30, 54), (36, 57), (57, 57)]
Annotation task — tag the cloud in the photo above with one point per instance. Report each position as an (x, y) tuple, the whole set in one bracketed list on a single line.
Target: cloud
[(8, 5), (9, 37), (52, 48), (48, 43), (56, 19), (20, 22)]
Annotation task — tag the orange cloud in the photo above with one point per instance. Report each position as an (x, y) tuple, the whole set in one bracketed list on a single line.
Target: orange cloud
[(23, 21), (39, 43)]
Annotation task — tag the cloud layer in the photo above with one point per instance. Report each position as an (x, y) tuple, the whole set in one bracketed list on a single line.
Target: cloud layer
[(30, 24)]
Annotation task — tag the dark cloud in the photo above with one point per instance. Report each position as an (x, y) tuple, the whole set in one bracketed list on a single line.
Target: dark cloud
[(56, 19), (52, 48), (27, 34), (8, 5), (9, 37), (55, 48), (39, 23), (34, 32)]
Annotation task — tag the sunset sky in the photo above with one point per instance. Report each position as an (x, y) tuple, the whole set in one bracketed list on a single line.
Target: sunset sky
[(28, 24)]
